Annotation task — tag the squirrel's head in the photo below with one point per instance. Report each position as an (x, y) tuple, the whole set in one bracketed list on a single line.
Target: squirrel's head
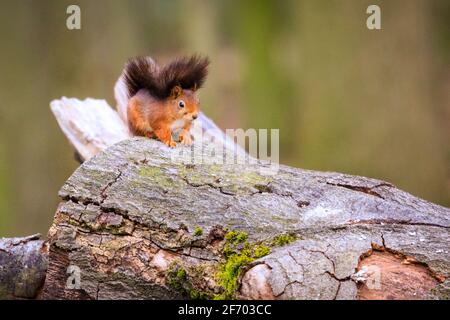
[(184, 103)]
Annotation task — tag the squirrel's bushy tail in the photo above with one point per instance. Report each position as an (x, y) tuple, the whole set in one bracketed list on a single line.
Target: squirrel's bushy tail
[(122, 91), (143, 73)]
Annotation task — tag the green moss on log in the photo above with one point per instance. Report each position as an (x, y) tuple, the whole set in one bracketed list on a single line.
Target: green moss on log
[(198, 231)]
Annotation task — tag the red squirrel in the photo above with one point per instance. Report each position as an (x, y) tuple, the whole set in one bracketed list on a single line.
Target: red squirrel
[(162, 100)]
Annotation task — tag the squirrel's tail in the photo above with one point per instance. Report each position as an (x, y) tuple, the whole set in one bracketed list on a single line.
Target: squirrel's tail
[(136, 75)]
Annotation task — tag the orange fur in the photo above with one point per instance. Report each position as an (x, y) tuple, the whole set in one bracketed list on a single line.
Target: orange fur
[(151, 117)]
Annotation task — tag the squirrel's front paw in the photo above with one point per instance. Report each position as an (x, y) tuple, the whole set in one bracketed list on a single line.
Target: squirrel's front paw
[(171, 143), (186, 139)]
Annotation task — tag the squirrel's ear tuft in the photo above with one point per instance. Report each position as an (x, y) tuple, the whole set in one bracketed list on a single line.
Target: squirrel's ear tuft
[(176, 92)]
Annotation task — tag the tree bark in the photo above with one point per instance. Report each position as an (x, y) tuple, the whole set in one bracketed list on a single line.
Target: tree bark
[(23, 265), (140, 223)]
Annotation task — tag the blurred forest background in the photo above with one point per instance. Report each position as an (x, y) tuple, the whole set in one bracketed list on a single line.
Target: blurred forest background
[(372, 103)]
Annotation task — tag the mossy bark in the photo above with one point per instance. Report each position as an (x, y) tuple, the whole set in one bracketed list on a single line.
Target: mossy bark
[(130, 217)]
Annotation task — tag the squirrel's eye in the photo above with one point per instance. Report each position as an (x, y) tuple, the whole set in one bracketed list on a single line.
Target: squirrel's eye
[(181, 104)]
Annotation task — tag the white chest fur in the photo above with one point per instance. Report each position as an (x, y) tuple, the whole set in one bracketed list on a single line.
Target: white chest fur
[(177, 124)]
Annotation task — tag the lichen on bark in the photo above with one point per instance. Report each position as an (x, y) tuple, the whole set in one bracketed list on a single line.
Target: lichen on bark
[(132, 214)]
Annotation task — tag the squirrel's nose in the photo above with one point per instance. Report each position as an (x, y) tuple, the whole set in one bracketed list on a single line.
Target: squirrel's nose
[(195, 116)]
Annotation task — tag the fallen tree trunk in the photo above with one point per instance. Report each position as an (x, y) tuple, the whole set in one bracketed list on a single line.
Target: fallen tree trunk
[(142, 221), (23, 265), (140, 224)]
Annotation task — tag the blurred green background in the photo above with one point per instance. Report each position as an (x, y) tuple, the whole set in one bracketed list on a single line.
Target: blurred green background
[(373, 103)]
